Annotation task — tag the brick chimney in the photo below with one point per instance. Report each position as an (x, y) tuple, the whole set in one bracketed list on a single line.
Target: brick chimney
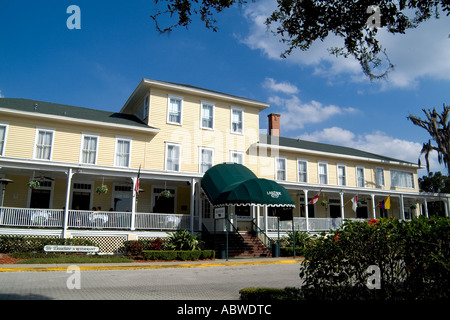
[(274, 124)]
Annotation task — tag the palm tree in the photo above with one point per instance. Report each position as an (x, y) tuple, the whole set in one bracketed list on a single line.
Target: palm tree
[(437, 125)]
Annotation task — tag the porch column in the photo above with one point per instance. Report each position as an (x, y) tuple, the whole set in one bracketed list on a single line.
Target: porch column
[(266, 213), (258, 213), (192, 207), (374, 213), (66, 207), (447, 206), (305, 192), (341, 194), (402, 207), (198, 201), (133, 204), (426, 207)]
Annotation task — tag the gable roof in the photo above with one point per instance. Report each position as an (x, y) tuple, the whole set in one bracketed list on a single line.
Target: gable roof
[(68, 112), (297, 145)]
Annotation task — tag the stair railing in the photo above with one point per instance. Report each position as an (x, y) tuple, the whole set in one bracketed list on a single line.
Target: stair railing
[(265, 239)]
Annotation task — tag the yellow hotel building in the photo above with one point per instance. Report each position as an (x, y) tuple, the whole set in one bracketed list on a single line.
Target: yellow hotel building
[(171, 134)]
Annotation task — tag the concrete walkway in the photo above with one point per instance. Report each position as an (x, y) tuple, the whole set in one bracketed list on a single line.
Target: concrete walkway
[(150, 265)]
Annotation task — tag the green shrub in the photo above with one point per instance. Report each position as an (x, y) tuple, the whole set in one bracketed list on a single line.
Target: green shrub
[(176, 255), (412, 257), (269, 294), (184, 240)]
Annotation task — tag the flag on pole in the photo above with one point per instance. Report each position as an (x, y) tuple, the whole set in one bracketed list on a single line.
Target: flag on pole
[(387, 203), (315, 198), (136, 187), (355, 203)]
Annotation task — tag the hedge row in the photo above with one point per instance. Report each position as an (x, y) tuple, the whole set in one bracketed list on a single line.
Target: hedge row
[(12, 244), (178, 255)]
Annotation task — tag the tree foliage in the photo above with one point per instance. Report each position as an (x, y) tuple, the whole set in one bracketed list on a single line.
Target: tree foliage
[(438, 126), (302, 22)]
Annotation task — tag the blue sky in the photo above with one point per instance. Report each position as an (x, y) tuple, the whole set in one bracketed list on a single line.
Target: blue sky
[(319, 97)]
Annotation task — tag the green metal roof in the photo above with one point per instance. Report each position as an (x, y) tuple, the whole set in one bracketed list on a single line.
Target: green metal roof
[(62, 110), (326, 148), (235, 184)]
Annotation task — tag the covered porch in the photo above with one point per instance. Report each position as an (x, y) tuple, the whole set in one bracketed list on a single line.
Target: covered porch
[(96, 198)]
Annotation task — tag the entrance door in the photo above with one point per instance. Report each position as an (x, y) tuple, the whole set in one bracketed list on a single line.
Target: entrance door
[(123, 197), (40, 199)]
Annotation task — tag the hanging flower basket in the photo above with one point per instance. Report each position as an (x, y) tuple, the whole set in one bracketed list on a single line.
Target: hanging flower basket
[(413, 206), (102, 189), (324, 203), (166, 194), (34, 184)]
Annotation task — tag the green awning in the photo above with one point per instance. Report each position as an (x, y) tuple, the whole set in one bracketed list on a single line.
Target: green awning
[(235, 184)]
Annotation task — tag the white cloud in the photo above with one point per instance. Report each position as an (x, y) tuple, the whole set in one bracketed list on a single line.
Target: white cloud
[(284, 87), (1, 96), (376, 142), (420, 53)]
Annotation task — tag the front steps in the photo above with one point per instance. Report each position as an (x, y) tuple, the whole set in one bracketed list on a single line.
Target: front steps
[(242, 244)]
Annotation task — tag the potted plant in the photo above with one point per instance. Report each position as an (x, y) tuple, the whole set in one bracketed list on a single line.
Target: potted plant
[(34, 184), (165, 193), (102, 189)]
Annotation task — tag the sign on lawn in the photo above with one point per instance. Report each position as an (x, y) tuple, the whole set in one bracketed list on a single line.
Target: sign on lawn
[(61, 248)]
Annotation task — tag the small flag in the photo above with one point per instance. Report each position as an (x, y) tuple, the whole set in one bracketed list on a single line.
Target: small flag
[(315, 198), (387, 203), (355, 203), (136, 187)]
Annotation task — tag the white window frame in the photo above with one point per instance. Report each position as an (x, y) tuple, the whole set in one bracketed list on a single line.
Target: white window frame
[(319, 163), (3, 143), (306, 170), (358, 177), (179, 156), (341, 165), (240, 153), (213, 106), (174, 97), (383, 183), (116, 150), (36, 139), (284, 159), (89, 135), (402, 172), (200, 158), (241, 110)]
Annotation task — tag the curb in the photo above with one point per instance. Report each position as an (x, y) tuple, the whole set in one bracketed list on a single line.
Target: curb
[(141, 266)]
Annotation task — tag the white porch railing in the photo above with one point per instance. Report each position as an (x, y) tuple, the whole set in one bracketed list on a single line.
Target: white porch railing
[(314, 224), (80, 219)]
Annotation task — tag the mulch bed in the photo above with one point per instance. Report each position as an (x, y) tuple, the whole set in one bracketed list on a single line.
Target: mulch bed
[(5, 259)]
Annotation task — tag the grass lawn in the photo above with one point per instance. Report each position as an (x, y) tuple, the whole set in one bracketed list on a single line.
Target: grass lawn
[(56, 258)]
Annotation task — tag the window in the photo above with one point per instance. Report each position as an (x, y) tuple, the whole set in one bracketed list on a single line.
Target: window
[(2, 138), (206, 159), (302, 170), (173, 157), (44, 142), (237, 120), (123, 149), (360, 182), (89, 149), (281, 168), (380, 177), (207, 115), (323, 173), (342, 180), (237, 157), (175, 109), (402, 179)]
